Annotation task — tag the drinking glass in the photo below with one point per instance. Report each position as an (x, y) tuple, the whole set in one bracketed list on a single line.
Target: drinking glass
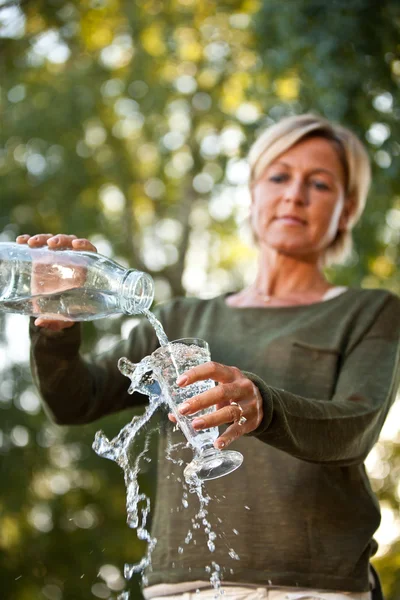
[(167, 363)]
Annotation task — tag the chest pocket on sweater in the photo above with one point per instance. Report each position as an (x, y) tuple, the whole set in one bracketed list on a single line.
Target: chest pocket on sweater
[(312, 370)]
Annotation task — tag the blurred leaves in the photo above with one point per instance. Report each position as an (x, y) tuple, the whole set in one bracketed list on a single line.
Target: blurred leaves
[(128, 122)]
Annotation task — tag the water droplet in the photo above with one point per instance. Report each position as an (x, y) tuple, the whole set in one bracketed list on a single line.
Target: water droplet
[(188, 537), (235, 531), (180, 550), (211, 546)]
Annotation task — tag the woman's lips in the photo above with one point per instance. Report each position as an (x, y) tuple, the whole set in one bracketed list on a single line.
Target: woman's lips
[(288, 220)]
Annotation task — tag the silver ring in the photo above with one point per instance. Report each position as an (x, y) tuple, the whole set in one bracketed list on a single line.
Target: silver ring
[(241, 420)]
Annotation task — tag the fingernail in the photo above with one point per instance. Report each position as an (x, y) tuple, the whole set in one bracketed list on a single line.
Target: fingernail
[(56, 240), (182, 379), (220, 445), (198, 423), (184, 408)]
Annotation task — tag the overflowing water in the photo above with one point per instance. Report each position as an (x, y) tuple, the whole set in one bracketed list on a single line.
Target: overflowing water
[(145, 378), (119, 450)]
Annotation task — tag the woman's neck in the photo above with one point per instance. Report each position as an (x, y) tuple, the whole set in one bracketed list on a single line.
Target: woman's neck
[(280, 275), (283, 281)]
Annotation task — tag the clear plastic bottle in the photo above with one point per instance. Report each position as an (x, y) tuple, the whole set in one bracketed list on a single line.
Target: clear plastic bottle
[(68, 284)]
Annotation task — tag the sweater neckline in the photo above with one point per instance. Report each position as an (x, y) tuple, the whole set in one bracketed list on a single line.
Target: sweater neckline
[(294, 307)]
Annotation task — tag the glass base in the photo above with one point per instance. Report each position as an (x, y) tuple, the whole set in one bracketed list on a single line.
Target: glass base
[(212, 464)]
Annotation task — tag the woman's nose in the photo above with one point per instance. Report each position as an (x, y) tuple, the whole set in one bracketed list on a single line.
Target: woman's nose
[(296, 192)]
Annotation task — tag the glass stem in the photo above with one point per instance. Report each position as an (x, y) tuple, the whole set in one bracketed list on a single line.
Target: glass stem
[(207, 449)]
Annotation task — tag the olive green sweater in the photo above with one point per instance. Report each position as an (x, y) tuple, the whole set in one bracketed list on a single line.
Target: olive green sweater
[(301, 502)]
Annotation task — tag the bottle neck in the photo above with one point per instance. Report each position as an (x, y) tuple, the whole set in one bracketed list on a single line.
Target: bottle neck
[(136, 292)]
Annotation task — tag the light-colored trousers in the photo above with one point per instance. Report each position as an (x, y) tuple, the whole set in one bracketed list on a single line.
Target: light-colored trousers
[(240, 593)]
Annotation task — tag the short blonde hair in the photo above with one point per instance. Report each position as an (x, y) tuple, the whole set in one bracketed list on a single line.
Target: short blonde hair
[(280, 137)]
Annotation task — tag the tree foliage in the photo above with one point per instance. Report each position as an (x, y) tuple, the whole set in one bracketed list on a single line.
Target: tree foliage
[(128, 123)]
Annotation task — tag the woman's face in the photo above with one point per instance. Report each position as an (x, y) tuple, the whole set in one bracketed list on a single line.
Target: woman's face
[(298, 203)]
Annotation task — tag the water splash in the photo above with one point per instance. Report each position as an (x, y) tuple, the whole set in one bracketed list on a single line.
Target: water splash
[(143, 379), (137, 503)]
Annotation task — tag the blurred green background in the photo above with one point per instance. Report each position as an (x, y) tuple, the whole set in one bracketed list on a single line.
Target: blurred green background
[(128, 123)]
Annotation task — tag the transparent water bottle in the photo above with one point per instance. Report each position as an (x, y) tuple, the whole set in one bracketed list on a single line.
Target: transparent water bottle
[(68, 284)]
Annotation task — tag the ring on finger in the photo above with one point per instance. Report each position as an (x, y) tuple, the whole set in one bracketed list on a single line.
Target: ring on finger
[(241, 420)]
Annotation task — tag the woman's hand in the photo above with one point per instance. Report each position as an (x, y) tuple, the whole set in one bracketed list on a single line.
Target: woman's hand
[(57, 242), (235, 397)]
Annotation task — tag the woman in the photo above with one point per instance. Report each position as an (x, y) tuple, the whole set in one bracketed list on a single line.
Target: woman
[(315, 372)]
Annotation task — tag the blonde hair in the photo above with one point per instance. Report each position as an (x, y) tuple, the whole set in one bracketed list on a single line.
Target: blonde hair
[(280, 137)]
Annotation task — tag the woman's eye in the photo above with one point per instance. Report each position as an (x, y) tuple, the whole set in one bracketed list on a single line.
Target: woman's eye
[(279, 178), (320, 185)]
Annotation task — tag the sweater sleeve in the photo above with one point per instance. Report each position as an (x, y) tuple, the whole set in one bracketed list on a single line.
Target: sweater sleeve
[(343, 430), (77, 390)]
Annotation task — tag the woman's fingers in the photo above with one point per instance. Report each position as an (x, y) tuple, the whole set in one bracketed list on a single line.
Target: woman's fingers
[(232, 433), (208, 370), (53, 325), (59, 241), (237, 401), (220, 394), (228, 414), (23, 239), (34, 241), (83, 244)]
